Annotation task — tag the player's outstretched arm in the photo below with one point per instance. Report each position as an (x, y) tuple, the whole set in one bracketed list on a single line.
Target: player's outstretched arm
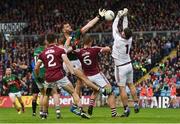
[(105, 49), (121, 13), (91, 23), (125, 19), (115, 24), (68, 63), (67, 45)]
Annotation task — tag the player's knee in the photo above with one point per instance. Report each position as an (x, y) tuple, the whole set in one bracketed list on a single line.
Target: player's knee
[(80, 74), (122, 88), (78, 83), (13, 102), (130, 85)]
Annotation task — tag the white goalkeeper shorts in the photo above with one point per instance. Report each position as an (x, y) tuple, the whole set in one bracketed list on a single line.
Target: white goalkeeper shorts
[(124, 74)]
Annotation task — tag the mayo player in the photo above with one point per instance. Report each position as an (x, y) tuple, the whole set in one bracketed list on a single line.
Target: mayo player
[(123, 67)]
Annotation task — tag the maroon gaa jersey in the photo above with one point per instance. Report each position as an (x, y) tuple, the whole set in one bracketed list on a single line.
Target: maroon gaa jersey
[(89, 60), (53, 62)]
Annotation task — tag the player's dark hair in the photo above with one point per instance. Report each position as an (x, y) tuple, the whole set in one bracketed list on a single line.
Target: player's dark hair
[(128, 33), (51, 38), (64, 23), (87, 39), (41, 40)]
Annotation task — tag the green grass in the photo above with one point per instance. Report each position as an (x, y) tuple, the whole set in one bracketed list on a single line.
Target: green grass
[(101, 115)]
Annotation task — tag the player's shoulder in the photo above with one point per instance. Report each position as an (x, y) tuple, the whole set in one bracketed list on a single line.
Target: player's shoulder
[(96, 47), (78, 30), (13, 75), (60, 49), (77, 50)]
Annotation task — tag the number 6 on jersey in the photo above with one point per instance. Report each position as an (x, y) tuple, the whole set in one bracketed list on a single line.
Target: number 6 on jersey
[(87, 60)]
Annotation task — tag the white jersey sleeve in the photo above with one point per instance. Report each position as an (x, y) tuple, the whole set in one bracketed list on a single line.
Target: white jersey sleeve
[(125, 22), (115, 30)]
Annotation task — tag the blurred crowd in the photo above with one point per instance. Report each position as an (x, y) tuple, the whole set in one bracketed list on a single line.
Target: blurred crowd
[(44, 15)]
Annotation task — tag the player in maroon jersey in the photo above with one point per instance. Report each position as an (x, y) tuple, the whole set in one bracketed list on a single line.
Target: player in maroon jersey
[(88, 57), (52, 58)]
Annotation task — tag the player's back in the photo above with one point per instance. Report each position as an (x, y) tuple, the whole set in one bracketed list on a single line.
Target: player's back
[(121, 49), (53, 62), (89, 60)]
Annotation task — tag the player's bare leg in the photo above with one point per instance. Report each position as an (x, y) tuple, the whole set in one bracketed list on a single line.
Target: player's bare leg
[(46, 102), (41, 101), (45, 109), (124, 99), (74, 109), (21, 103), (111, 101), (81, 75), (34, 103), (57, 103), (13, 100), (78, 87), (134, 95), (92, 100)]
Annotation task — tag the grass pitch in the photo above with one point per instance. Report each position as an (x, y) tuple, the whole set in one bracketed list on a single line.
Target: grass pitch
[(100, 115)]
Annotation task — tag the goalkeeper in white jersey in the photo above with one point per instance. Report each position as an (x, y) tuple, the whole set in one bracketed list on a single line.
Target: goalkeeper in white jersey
[(123, 67)]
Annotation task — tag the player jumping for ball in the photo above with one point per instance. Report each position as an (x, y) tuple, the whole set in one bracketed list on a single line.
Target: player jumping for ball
[(123, 66)]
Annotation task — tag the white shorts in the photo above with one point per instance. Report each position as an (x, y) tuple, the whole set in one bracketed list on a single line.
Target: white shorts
[(99, 79), (149, 98), (124, 74), (14, 95), (143, 97), (173, 97), (75, 63), (57, 84)]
